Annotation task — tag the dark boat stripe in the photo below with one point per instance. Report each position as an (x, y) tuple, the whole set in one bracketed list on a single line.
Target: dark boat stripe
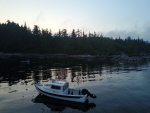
[(58, 95)]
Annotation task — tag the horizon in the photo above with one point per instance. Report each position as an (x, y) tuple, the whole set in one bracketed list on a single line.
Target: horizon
[(69, 33)]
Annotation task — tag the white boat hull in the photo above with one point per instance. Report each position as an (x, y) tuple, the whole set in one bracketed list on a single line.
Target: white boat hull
[(67, 97)]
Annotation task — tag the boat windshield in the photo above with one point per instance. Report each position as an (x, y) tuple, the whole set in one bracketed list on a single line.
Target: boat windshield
[(55, 87), (65, 86)]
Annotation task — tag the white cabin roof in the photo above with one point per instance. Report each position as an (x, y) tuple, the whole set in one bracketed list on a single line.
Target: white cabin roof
[(58, 83)]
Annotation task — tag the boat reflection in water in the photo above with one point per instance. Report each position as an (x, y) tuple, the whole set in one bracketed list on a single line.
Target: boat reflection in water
[(57, 105)]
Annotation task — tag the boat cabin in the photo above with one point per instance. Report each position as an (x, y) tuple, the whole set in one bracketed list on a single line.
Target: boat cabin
[(59, 86)]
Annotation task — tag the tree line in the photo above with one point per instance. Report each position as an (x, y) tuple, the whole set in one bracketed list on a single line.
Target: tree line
[(21, 39)]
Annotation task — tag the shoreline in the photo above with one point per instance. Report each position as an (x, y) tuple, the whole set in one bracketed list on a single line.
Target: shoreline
[(124, 58)]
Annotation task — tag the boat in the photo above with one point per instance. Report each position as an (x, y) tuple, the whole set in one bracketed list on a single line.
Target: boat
[(58, 89)]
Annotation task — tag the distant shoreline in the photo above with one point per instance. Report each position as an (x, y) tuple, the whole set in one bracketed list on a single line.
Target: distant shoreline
[(114, 58)]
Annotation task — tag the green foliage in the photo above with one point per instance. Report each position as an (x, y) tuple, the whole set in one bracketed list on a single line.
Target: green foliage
[(20, 39)]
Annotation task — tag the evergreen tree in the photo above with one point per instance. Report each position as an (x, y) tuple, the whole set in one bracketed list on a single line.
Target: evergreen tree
[(36, 30), (20, 39), (64, 33), (73, 34)]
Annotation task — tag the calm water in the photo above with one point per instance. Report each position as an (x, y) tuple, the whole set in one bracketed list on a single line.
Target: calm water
[(119, 88)]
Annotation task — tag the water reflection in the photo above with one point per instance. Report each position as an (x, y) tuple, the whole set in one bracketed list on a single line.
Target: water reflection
[(81, 73), (122, 85), (76, 74), (58, 106)]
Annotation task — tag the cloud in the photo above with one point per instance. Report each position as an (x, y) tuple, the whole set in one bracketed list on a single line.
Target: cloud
[(143, 33), (39, 19), (146, 33), (122, 34), (65, 23)]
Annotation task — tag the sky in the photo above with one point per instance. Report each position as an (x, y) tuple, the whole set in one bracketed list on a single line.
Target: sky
[(112, 18)]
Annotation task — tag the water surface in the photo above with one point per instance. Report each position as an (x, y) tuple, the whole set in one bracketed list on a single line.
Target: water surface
[(119, 88)]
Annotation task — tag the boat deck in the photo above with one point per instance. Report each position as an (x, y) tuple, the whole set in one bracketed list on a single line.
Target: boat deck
[(74, 92)]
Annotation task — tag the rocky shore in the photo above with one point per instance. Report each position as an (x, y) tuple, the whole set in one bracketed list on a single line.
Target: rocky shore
[(130, 59), (114, 58)]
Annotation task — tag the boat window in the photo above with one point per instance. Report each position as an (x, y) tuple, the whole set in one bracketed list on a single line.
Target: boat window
[(65, 87), (55, 87)]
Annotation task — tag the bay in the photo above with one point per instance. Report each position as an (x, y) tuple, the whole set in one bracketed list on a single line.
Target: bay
[(120, 88)]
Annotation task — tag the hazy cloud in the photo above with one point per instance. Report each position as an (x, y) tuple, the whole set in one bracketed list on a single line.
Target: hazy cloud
[(122, 34), (143, 33), (65, 23), (146, 33), (39, 19)]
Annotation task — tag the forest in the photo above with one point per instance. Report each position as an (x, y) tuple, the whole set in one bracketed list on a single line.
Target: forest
[(21, 39)]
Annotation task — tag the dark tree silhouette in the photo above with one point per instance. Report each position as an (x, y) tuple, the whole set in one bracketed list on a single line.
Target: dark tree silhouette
[(73, 34), (78, 33), (64, 33), (21, 39), (36, 30)]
